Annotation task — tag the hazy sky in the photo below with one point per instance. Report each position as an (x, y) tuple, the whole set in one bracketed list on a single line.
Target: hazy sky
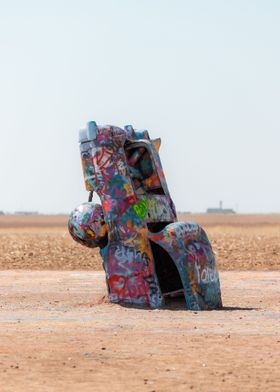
[(202, 75)]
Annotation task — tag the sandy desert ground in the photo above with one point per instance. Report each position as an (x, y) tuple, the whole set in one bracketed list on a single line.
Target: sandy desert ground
[(59, 333), (241, 242)]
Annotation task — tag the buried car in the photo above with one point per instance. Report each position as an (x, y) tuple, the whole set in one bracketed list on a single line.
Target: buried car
[(147, 254)]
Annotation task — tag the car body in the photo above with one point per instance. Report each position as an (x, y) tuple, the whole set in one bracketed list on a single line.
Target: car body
[(147, 254)]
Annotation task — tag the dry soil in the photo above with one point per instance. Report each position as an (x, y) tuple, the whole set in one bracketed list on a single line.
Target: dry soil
[(59, 333)]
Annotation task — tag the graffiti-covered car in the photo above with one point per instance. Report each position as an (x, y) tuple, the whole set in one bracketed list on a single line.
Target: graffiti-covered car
[(147, 254)]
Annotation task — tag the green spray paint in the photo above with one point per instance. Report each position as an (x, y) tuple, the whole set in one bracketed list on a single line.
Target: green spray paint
[(141, 208)]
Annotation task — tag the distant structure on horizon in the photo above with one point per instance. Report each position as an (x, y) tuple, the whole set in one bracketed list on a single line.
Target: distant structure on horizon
[(2, 213), (26, 213), (220, 210)]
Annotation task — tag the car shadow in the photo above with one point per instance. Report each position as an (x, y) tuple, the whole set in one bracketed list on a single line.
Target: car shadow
[(182, 306), (233, 308), (179, 304)]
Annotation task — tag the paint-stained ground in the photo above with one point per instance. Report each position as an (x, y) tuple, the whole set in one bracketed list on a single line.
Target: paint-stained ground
[(58, 332)]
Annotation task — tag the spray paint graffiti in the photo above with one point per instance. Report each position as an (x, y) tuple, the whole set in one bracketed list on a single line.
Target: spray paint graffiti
[(146, 253), (141, 208)]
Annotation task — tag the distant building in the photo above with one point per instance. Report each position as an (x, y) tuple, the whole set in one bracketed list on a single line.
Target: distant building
[(26, 213), (220, 210)]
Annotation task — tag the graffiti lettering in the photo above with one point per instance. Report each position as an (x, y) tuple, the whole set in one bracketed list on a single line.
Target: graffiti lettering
[(154, 293), (206, 275), (126, 254)]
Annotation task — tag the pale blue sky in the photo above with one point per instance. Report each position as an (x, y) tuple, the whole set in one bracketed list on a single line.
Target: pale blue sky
[(202, 75)]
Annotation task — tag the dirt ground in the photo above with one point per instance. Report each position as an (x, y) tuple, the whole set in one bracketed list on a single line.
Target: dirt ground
[(241, 242), (59, 333)]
